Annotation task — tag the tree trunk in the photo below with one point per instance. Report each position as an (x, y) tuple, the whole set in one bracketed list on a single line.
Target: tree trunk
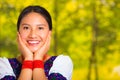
[(93, 59), (55, 28)]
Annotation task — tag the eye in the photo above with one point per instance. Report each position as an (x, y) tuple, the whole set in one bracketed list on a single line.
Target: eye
[(40, 28), (25, 28)]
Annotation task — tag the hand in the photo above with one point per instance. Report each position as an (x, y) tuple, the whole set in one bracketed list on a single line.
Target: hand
[(27, 54), (40, 53)]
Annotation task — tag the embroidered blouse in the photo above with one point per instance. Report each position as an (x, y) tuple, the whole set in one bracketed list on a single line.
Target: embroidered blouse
[(56, 68)]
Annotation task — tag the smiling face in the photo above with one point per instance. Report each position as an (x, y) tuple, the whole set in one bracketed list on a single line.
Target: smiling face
[(34, 30)]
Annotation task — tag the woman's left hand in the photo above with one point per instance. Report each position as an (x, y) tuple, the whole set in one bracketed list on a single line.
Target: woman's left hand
[(40, 53)]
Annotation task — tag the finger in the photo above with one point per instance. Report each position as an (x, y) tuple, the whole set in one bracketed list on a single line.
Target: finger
[(21, 45), (49, 39), (17, 36), (20, 39), (47, 43)]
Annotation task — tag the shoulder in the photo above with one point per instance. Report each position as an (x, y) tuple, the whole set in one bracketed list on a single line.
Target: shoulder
[(63, 65), (5, 68), (63, 60), (3, 62)]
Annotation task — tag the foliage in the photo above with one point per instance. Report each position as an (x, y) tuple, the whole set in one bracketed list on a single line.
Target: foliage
[(73, 22)]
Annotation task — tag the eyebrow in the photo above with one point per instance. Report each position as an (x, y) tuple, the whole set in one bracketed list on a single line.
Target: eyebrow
[(41, 25), (37, 24), (25, 24)]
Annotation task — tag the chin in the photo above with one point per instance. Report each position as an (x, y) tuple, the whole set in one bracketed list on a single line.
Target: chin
[(33, 50)]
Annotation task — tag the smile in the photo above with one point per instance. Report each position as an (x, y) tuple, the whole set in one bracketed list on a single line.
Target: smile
[(33, 42)]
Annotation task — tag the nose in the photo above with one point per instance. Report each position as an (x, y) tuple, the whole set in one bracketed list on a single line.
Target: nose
[(32, 34)]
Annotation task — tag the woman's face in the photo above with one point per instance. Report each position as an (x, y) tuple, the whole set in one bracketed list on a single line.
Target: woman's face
[(34, 31)]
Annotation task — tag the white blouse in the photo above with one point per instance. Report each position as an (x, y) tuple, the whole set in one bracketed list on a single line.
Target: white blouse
[(62, 64), (5, 68)]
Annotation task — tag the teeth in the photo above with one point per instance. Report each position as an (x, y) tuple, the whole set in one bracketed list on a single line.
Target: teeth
[(33, 42)]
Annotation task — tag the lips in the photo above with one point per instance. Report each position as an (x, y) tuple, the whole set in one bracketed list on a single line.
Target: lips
[(33, 42)]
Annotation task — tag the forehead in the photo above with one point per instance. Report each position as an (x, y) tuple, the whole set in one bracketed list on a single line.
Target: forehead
[(34, 17), (34, 14)]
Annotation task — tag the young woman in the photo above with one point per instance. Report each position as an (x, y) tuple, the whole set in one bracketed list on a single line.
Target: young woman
[(34, 32)]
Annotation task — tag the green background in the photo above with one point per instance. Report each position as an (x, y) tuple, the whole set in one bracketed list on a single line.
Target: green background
[(86, 30)]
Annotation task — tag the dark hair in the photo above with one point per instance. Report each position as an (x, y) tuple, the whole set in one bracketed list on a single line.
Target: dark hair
[(38, 9)]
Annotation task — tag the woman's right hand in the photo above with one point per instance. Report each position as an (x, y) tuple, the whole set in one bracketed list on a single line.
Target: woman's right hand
[(27, 54)]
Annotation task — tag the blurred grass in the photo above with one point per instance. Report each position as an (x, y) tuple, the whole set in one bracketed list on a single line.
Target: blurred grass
[(106, 72)]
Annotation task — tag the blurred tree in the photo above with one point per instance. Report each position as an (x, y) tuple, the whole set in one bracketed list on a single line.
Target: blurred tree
[(73, 24)]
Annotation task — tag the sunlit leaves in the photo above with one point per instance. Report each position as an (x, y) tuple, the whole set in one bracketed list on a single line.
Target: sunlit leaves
[(74, 23), (71, 6)]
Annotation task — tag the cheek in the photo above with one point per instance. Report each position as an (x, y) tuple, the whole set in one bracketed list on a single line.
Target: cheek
[(23, 35), (44, 36)]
